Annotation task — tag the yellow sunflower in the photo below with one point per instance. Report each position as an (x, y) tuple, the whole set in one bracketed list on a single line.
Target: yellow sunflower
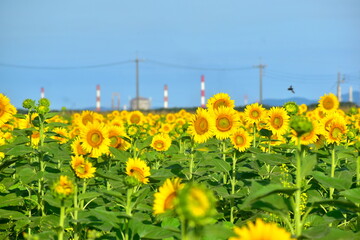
[(95, 139), (278, 120), (254, 113), (137, 168), (303, 108), (336, 132), (166, 127), (328, 102), (116, 140), (220, 99), (35, 139), (6, 109), (64, 187), (62, 135), (260, 230), (226, 122), (161, 142), (164, 198), (241, 140), (82, 168), (135, 117), (170, 117), (76, 147), (201, 126)]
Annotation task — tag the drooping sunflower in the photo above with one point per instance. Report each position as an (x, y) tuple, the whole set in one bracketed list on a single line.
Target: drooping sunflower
[(201, 126), (137, 168), (220, 99), (76, 161), (254, 113), (64, 187), (161, 142), (226, 122), (135, 117), (95, 139), (278, 120), (241, 140), (336, 131), (328, 102), (309, 137), (260, 230), (116, 140), (62, 135), (7, 110), (164, 198)]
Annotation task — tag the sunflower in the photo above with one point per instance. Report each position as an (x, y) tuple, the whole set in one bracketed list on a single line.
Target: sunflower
[(164, 198), (303, 108), (137, 168), (278, 120), (62, 135), (328, 102), (336, 131), (77, 148), (170, 117), (226, 122), (135, 117), (116, 140), (35, 139), (196, 203), (6, 109), (254, 113), (85, 118), (201, 126), (95, 139), (220, 99), (260, 230), (241, 140), (64, 187), (82, 168), (161, 142), (166, 127)]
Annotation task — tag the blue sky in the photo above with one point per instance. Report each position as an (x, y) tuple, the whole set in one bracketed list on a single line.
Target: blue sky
[(303, 43)]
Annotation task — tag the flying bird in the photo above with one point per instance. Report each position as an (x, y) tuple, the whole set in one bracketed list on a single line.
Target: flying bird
[(291, 89)]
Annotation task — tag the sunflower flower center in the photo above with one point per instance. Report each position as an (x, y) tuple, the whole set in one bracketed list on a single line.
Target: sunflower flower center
[(328, 104), (95, 138), (135, 118), (159, 144), (336, 133), (169, 201), (239, 140), (114, 141), (254, 114), (218, 103), (86, 119), (137, 173), (223, 123), (277, 122), (201, 126)]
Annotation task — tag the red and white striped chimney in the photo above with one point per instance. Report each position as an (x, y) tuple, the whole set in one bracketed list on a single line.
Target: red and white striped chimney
[(202, 91), (166, 99), (98, 98), (42, 93)]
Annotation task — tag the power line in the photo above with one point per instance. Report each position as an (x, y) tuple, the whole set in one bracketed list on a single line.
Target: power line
[(65, 67), (195, 67)]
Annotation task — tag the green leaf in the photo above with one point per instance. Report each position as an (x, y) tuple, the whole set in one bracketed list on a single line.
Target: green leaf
[(336, 182), (217, 232), (19, 150), (50, 115), (106, 216), (337, 234), (120, 155), (149, 231), (272, 159), (11, 200), (88, 195), (8, 214), (28, 175), (307, 165), (352, 195), (219, 164)]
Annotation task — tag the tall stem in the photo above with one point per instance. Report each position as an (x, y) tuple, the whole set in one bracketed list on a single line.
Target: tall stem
[(62, 221), (184, 234), (233, 184), (254, 132), (76, 206), (83, 191), (191, 166), (223, 149), (297, 212), (358, 171), (333, 167)]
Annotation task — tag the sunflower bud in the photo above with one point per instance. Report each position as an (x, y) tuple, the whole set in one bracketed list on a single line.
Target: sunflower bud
[(44, 102), (301, 125), (64, 187), (43, 109), (353, 111), (292, 108), (28, 103), (131, 181), (196, 203)]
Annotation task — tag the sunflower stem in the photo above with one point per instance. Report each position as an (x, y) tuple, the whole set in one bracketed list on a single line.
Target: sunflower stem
[(233, 184), (254, 132), (358, 171), (332, 173), (128, 209), (191, 163), (223, 149), (62, 220), (297, 212), (76, 206), (184, 233), (83, 192)]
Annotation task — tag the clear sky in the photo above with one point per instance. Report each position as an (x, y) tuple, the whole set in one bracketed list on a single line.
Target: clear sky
[(58, 44)]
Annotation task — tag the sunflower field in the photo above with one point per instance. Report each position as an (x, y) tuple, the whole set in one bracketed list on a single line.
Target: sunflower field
[(281, 173)]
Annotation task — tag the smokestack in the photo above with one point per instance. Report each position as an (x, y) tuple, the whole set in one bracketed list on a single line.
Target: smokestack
[(98, 98), (166, 100), (202, 91), (42, 93)]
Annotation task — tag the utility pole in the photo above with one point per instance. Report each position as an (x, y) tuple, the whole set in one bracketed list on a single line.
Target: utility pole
[(339, 81), (137, 60), (261, 67)]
